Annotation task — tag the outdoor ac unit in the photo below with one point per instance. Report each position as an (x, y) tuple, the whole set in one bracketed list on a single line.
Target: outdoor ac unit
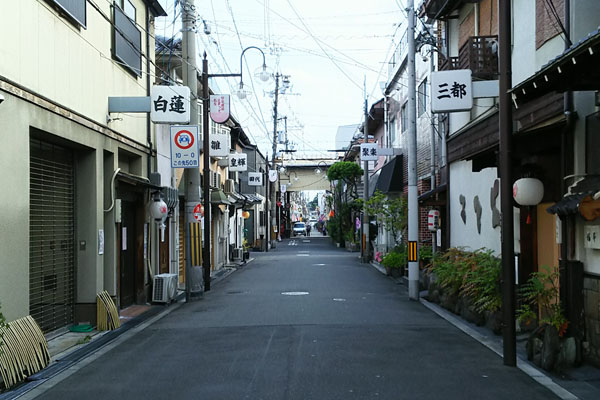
[(229, 186), (238, 253), (165, 288)]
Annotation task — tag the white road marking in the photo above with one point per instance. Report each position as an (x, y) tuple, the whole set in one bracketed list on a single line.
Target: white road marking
[(306, 241), (339, 299), (319, 265), (294, 293), (303, 255)]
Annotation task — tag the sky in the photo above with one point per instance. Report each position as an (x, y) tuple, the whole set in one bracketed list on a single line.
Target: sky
[(330, 49)]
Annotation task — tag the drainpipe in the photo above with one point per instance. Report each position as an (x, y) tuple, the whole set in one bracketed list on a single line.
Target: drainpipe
[(148, 86), (476, 32)]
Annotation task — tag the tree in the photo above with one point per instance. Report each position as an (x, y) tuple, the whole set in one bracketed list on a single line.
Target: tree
[(391, 212), (346, 176)]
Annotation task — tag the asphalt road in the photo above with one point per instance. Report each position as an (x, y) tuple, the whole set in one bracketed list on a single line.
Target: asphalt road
[(304, 321)]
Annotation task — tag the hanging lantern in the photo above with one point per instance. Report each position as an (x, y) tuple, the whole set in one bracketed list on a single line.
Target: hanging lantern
[(158, 209), (528, 191), (246, 214)]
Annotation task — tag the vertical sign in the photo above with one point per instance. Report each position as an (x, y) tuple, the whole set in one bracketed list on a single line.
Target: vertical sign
[(219, 143), (219, 108), (124, 238), (283, 188), (184, 146), (145, 241), (170, 104), (272, 175), (100, 241)]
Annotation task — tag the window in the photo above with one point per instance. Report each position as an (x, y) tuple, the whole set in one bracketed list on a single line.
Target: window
[(403, 118), (422, 98), (127, 38), (75, 10)]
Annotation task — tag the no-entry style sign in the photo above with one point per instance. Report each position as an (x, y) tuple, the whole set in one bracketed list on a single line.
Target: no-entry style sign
[(184, 146), (198, 212)]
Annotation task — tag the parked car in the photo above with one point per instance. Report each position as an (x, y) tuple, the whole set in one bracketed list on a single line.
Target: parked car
[(299, 229)]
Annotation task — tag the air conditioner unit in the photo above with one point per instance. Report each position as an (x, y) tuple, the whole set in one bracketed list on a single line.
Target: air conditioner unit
[(238, 253), (165, 288), (229, 186)]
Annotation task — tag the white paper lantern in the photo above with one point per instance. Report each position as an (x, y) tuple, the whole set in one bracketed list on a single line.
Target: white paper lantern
[(528, 191), (158, 209)]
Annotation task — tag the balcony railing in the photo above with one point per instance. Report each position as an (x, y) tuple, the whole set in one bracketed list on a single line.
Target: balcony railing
[(479, 54)]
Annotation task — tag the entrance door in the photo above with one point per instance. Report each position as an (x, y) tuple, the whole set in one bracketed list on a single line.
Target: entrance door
[(128, 254)]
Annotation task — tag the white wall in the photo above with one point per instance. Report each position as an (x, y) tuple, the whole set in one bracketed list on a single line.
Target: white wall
[(470, 184)]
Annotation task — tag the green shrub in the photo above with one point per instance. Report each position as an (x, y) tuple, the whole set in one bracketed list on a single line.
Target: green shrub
[(394, 260), (473, 274)]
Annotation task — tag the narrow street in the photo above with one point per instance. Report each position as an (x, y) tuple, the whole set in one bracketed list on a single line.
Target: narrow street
[(304, 321)]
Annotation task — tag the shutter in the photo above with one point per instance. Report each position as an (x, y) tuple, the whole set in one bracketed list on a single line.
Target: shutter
[(51, 236)]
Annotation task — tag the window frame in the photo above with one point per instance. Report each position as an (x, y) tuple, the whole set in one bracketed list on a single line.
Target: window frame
[(57, 4)]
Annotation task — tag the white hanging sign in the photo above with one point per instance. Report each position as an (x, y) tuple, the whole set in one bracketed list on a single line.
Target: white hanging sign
[(283, 188), (219, 143), (369, 152), (170, 104), (238, 162), (255, 179), (184, 146), (451, 91), (272, 175), (219, 108)]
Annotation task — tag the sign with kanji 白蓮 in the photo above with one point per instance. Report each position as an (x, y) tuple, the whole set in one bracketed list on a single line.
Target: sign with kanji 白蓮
[(219, 143), (451, 91), (219, 108), (238, 162), (184, 146), (170, 104), (369, 152), (255, 179)]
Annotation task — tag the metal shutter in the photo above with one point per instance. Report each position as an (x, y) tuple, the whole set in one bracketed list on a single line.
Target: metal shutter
[(51, 236)]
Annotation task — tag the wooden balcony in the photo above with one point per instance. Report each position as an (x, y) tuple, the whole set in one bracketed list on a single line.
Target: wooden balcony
[(479, 54)]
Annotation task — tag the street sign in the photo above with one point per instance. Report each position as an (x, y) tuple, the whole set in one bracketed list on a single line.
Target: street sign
[(255, 179), (184, 146), (219, 108), (170, 104), (451, 91), (198, 212), (238, 162), (369, 152)]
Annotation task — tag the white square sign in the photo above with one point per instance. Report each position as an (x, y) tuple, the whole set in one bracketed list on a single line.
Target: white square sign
[(369, 152), (184, 146), (451, 91), (170, 104), (255, 179), (238, 162), (219, 143)]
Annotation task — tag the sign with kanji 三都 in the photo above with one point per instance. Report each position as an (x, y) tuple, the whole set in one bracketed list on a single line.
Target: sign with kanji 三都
[(238, 162), (170, 104), (184, 146), (451, 91), (255, 179)]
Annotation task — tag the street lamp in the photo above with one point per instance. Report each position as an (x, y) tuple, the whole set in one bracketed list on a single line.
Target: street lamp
[(264, 76), (321, 168)]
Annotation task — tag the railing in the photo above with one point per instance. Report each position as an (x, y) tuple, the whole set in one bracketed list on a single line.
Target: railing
[(479, 54)]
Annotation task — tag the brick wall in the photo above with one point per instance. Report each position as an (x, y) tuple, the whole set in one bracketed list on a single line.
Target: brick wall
[(591, 297), (546, 26)]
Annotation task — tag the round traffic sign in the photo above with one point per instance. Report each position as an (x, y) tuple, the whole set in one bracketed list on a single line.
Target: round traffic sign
[(198, 212), (184, 139)]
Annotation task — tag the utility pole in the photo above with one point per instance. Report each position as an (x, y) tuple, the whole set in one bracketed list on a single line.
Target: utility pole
[(277, 76), (506, 201), (413, 205), (366, 244), (191, 176), (206, 172)]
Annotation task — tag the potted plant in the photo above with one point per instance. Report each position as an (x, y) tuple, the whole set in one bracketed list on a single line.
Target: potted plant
[(246, 247), (394, 262)]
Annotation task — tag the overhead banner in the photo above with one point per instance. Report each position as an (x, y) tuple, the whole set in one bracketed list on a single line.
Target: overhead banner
[(170, 104), (272, 175), (219, 108), (238, 162)]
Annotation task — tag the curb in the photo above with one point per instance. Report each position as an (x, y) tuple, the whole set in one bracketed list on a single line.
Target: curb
[(493, 345)]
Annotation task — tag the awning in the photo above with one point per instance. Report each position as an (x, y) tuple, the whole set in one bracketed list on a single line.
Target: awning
[(373, 182), (253, 198), (219, 197), (428, 198), (136, 180), (575, 69), (391, 176), (580, 199)]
